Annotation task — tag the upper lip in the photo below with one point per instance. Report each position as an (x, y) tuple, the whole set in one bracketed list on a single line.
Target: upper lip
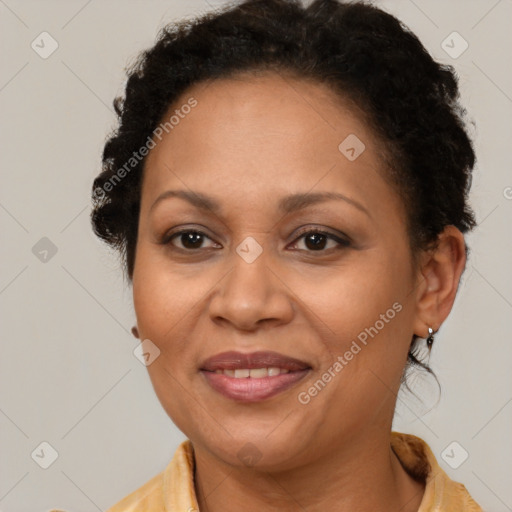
[(265, 359)]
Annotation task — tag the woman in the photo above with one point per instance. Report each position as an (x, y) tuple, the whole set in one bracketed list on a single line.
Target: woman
[(288, 190)]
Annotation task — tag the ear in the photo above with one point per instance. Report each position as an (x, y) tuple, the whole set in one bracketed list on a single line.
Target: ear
[(438, 280)]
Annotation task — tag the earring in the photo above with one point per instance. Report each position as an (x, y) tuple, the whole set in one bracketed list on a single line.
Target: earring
[(135, 332), (430, 338)]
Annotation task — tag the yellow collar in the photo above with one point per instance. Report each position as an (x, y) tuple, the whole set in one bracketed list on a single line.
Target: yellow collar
[(173, 489)]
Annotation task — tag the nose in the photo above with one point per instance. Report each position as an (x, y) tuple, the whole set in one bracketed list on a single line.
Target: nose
[(252, 294)]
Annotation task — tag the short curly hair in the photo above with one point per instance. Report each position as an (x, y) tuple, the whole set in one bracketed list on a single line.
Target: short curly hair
[(363, 53)]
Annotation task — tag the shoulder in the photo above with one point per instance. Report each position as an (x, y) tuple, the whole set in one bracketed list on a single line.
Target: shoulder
[(172, 489), (147, 497), (441, 492)]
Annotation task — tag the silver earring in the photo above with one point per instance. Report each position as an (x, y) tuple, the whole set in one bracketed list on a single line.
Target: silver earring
[(430, 338)]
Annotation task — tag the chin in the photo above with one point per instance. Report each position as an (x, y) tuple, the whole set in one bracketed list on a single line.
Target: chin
[(257, 451)]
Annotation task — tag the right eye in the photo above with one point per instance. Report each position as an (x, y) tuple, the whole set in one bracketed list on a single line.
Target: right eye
[(190, 239)]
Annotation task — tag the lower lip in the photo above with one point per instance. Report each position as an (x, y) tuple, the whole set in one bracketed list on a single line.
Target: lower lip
[(252, 390)]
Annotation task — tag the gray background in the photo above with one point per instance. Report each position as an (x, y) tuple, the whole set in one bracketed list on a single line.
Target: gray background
[(68, 373)]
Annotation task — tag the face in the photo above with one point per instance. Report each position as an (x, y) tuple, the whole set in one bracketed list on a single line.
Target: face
[(268, 262)]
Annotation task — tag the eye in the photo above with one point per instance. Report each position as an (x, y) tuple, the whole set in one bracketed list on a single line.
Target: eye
[(190, 239), (315, 240)]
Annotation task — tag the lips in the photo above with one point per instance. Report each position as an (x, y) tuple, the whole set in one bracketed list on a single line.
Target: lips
[(239, 360), (231, 374)]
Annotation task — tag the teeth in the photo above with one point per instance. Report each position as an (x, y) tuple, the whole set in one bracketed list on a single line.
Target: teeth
[(258, 373), (254, 373)]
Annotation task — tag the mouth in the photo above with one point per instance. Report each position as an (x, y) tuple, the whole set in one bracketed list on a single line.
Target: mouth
[(252, 377)]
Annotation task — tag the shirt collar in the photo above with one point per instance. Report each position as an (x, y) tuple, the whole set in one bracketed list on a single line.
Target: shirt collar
[(441, 493)]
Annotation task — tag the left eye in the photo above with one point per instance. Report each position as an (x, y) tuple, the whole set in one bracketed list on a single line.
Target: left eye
[(315, 240)]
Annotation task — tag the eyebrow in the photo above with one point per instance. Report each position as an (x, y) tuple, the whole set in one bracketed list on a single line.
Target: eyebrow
[(286, 205)]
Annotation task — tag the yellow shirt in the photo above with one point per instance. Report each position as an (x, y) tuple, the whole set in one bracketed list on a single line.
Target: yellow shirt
[(173, 489)]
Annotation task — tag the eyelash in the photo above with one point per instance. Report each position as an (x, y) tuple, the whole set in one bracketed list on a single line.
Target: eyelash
[(343, 242)]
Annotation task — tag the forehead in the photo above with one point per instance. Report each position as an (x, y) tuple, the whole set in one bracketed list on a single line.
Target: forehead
[(264, 135), (268, 108)]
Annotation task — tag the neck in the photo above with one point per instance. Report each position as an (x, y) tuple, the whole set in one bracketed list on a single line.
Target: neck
[(364, 474)]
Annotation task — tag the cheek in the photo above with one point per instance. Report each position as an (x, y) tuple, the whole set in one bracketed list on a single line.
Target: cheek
[(354, 297), (163, 296), (164, 306), (365, 349), (366, 312)]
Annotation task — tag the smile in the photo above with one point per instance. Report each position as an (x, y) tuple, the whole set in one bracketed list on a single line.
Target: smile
[(252, 377)]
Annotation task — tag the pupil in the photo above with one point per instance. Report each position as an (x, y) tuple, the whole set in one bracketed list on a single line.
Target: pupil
[(318, 241), (190, 240)]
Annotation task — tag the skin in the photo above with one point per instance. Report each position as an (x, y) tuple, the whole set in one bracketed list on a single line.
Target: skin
[(249, 142)]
